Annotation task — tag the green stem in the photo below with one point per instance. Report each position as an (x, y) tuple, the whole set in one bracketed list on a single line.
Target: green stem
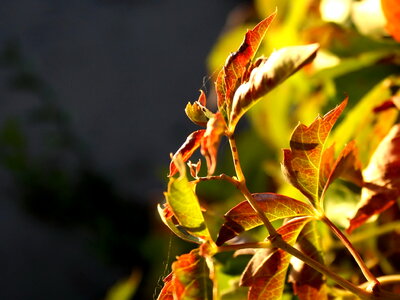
[(218, 177), (364, 269)]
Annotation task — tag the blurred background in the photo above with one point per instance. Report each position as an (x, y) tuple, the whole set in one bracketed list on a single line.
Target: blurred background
[(92, 94), (92, 97)]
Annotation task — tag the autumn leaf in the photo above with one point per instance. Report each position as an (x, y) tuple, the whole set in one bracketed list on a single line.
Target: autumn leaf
[(185, 207), (266, 271), (211, 139), (197, 112), (382, 177), (391, 10), (267, 74), (189, 279), (242, 217), (308, 284), (236, 65), (192, 142), (302, 163)]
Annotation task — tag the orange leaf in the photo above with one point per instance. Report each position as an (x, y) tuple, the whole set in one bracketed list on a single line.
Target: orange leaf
[(382, 177), (243, 217), (302, 163), (211, 139), (192, 142), (236, 65), (391, 10), (266, 271)]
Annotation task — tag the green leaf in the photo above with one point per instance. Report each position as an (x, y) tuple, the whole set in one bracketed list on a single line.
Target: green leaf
[(303, 162), (124, 289), (267, 74), (308, 284), (197, 112), (185, 206), (236, 65), (242, 217), (189, 280), (266, 272)]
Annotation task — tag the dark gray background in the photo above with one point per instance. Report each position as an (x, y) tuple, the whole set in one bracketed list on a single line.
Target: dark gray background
[(123, 72)]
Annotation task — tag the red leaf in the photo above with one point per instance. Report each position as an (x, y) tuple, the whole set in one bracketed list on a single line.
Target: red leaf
[(391, 10), (211, 139), (236, 65), (266, 272), (382, 177), (308, 284), (192, 142), (189, 279), (243, 217), (302, 163)]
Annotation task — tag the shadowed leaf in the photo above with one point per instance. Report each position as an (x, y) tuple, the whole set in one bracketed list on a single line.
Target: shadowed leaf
[(266, 272), (211, 139), (189, 280), (269, 73), (243, 217), (231, 75), (302, 163), (185, 206), (382, 177), (192, 142), (308, 284)]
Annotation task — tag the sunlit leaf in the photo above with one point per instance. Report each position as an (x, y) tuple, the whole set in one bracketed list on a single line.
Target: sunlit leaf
[(198, 112), (236, 65), (243, 217), (125, 289), (192, 142), (391, 10), (308, 284), (185, 206), (266, 272), (269, 73), (211, 139), (189, 280), (382, 177), (303, 161)]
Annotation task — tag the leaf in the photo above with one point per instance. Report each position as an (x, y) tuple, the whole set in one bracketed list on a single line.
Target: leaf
[(391, 10), (382, 177), (302, 163), (125, 289), (192, 142), (167, 216), (308, 284), (198, 112), (189, 280), (211, 139), (269, 73), (236, 65), (243, 217), (185, 206), (266, 272)]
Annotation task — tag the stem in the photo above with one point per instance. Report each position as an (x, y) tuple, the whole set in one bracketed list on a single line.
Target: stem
[(276, 239), (235, 247), (218, 177), (364, 269)]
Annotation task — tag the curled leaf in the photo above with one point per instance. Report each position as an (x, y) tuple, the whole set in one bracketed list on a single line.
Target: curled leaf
[(382, 177), (303, 162), (267, 74), (192, 142), (243, 217), (197, 112), (236, 65), (211, 139)]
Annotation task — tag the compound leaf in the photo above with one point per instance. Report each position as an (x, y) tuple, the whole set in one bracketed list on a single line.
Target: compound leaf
[(266, 272), (243, 217), (303, 162)]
